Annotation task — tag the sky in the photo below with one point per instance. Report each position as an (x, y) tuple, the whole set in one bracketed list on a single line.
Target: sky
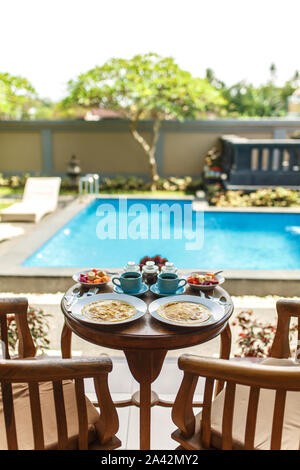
[(52, 41)]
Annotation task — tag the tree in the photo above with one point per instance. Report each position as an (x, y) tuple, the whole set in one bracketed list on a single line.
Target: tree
[(246, 100), (144, 87), (213, 79), (273, 72), (17, 97)]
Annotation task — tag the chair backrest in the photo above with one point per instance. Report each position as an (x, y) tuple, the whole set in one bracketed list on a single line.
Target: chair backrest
[(233, 373), (286, 309), (18, 308), (230, 373), (33, 372), (42, 191)]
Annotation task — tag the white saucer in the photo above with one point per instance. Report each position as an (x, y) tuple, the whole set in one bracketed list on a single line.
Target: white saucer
[(156, 291), (119, 290)]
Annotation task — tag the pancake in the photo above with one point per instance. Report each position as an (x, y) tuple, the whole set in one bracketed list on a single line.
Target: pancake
[(108, 310), (184, 312)]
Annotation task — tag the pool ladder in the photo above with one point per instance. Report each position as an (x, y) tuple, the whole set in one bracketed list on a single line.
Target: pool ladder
[(89, 184)]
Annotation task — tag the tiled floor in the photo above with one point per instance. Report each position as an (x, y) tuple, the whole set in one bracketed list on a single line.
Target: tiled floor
[(122, 385)]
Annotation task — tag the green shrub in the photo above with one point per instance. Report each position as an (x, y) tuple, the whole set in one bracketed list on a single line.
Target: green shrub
[(68, 185), (277, 197), (38, 325), (15, 181), (116, 183), (125, 183), (255, 337)]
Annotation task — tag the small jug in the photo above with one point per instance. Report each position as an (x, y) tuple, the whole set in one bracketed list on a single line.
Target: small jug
[(131, 267), (169, 267)]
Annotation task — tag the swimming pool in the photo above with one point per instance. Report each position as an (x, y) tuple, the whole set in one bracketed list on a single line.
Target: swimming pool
[(228, 240)]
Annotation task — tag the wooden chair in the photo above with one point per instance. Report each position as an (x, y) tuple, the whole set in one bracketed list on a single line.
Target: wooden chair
[(17, 306), (42, 402), (259, 406)]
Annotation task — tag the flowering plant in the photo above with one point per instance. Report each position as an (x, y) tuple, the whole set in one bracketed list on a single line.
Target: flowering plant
[(269, 197), (255, 337), (213, 159), (38, 326), (158, 260)]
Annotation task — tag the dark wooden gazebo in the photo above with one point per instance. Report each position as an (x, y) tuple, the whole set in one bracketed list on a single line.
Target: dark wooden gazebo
[(252, 164)]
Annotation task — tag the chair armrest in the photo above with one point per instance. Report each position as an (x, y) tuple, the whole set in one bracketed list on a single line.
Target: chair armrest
[(182, 411), (13, 305), (19, 307), (243, 373), (54, 369), (286, 308)]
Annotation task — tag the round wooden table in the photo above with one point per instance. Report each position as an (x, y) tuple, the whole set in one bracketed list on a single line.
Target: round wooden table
[(145, 343)]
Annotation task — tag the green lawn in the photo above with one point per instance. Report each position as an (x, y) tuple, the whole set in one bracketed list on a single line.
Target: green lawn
[(5, 205), (5, 191)]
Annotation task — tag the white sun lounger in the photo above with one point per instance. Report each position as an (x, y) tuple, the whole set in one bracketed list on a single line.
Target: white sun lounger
[(40, 197)]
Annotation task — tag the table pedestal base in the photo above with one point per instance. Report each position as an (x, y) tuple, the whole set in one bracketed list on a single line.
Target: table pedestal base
[(136, 399), (155, 401), (145, 366)]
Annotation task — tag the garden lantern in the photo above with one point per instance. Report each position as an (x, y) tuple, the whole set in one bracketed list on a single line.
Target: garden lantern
[(74, 170)]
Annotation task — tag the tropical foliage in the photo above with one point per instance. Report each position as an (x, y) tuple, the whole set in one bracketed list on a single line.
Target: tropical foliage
[(14, 184), (17, 97), (255, 337), (244, 99), (144, 87), (149, 85), (38, 322), (277, 197)]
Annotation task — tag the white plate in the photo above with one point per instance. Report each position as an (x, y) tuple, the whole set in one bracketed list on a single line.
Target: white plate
[(139, 304), (217, 311), (88, 284), (201, 287)]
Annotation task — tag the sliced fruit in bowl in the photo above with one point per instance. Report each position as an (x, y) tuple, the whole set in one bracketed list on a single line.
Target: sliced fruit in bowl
[(92, 277), (203, 280)]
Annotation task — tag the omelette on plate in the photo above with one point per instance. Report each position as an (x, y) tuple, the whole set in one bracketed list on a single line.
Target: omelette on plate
[(108, 310), (184, 312)]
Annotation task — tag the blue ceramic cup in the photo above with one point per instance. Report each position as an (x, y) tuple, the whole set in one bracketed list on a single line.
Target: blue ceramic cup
[(129, 282), (168, 283)]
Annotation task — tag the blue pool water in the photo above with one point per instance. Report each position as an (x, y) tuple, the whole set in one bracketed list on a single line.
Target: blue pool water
[(232, 240)]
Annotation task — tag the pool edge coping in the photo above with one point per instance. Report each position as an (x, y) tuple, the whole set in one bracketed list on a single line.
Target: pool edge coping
[(21, 249)]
